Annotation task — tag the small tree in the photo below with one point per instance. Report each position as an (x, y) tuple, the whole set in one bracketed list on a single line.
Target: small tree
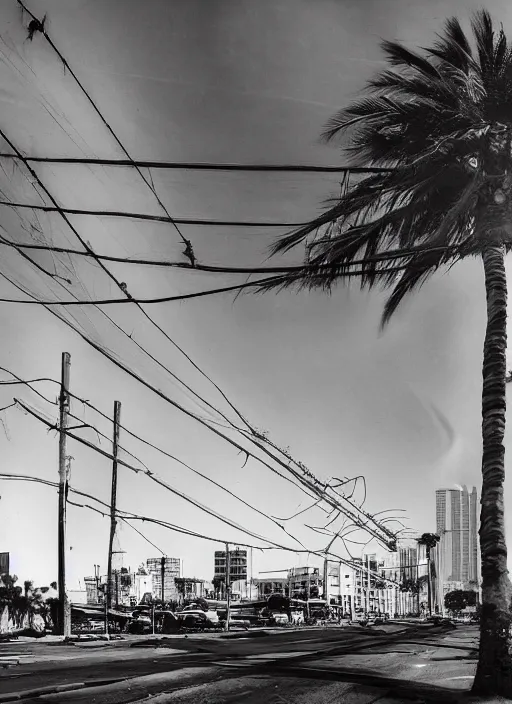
[(411, 587), (429, 540), (457, 600)]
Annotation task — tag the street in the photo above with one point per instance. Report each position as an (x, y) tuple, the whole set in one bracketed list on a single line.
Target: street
[(350, 664)]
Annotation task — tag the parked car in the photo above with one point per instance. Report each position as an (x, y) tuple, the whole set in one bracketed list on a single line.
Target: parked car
[(193, 617)]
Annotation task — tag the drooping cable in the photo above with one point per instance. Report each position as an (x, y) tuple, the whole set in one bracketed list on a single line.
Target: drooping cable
[(156, 479), (123, 289), (29, 383), (194, 165), (84, 244), (311, 486), (146, 442), (388, 535), (130, 516), (168, 299), (166, 398), (39, 26), (301, 268), (188, 252), (152, 218)]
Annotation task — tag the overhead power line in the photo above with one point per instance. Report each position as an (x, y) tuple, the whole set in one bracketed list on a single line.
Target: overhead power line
[(129, 432), (158, 392), (202, 166), (371, 531), (188, 249), (188, 245), (299, 268), (132, 516), (305, 477), (29, 383), (40, 27), (179, 297), (125, 515), (157, 480), (153, 218), (38, 180)]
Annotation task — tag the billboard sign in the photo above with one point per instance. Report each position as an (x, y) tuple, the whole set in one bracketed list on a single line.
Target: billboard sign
[(4, 563)]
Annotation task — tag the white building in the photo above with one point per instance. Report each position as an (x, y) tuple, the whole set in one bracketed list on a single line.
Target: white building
[(142, 584)]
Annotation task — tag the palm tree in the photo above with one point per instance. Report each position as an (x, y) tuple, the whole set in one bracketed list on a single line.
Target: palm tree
[(429, 540), (436, 128)]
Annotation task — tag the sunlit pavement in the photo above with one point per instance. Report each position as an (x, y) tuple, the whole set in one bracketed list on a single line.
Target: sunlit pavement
[(317, 666)]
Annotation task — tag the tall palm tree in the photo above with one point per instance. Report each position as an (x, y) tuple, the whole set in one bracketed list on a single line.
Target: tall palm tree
[(429, 540), (436, 127)]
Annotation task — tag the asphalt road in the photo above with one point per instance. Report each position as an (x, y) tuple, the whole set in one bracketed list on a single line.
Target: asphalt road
[(242, 667)]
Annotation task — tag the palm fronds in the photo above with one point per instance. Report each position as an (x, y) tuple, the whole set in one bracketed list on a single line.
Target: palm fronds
[(426, 118)]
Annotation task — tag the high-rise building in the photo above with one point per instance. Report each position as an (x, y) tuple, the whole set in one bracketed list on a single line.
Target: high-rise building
[(457, 527), (237, 565), (171, 568)]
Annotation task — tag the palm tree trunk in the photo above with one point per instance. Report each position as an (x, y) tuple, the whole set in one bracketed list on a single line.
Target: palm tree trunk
[(494, 671)]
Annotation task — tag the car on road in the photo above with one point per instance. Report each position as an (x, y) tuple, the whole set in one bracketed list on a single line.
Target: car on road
[(194, 617)]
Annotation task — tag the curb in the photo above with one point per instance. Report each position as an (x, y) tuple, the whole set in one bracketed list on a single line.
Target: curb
[(9, 662), (55, 689)]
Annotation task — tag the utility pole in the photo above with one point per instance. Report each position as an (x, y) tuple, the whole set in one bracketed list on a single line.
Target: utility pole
[(326, 570), (252, 576), (64, 617), (228, 587), (367, 585), (162, 577), (106, 614), (97, 577), (113, 500)]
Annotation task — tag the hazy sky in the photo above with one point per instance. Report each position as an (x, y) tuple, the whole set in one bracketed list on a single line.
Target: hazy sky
[(219, 80)]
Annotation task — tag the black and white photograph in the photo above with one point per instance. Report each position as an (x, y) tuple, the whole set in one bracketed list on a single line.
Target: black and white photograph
[(254, 374)]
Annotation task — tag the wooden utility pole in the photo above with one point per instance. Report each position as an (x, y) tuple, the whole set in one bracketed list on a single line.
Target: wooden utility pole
[(367, 586), (113, 500), (162, 577), (64, 614), (106, 614), (116, 602), (97, 577), (326, 571), (228, 587)]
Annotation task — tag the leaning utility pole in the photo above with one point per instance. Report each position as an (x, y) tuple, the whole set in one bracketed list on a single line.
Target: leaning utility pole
[(113, 500), (64, 613), (228, 587)]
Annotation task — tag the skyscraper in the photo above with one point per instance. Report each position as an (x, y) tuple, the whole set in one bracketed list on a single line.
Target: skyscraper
[(457, 526)]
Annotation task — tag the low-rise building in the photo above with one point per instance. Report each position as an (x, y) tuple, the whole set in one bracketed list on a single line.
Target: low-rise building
[(189, 588), (271, 585), (91, 590)]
